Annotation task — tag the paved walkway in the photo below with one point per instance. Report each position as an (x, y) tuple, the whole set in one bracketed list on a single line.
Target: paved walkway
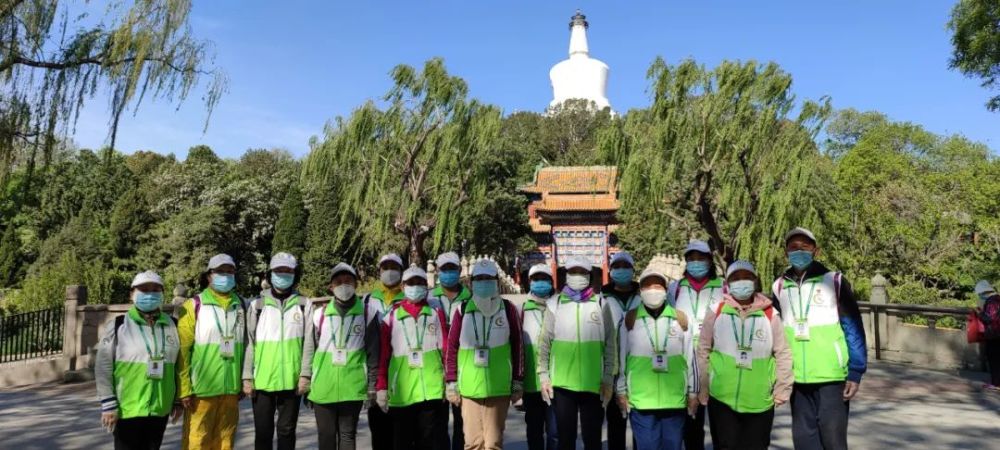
[(899, 406)]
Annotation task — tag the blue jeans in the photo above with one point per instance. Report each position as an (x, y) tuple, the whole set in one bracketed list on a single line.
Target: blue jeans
[(658, 429)]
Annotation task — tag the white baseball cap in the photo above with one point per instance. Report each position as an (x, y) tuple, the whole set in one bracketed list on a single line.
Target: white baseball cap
[(696, 245), (653, 272), (283, 260), (341, 268), (484, 267), (737, 266), (414, 272), (539, 268), (799, 231), (220, 260), (448, 258), (983, 286), (391, 257), (578, 263), (147, 277), (622, 256)]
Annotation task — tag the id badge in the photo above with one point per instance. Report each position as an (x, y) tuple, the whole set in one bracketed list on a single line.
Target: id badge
[(482, 357), (660, 362), (801, 330), (154, 369), (339, 357), (744, 361), (416, 359), (227, 348)]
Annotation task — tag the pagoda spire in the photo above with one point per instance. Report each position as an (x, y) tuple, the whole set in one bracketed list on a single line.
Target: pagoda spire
[(578, 35)]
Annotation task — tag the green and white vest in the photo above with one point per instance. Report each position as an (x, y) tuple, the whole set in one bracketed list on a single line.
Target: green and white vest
[(695, 304), (532, 319), (576, 357), (661, 385), (137, 346), (823, 357), (425, 334), (745, 390), (492, 333), (211, 374), (278, 346), (437, 299), (340, 363)]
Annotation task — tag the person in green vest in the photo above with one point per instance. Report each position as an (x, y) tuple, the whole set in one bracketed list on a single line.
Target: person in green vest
[(449, 296), (211, 330), (745, 363), (576, 358), (135, 369), (484, 365), (824, 329), (387, 292), (655, 360), (340, 360), (621, 295), (539, 417), (696, 293), (410, 384), (273, 355)]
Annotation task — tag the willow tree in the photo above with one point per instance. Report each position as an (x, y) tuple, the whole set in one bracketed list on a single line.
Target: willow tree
[(404, 173), (728, 154), (55, 56)]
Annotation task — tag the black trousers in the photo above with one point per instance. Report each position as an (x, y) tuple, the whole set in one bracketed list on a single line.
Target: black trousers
[(457, 435), (140, 433), (991, 347), (265, 404), (416, 426), (539, 422), (733, 430), (337, 424), (694, 430), (380, 424), (587, 406), (616, 426), (819, 416)]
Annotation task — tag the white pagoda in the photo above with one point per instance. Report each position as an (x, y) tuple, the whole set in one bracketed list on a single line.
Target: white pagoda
[(580, 76)]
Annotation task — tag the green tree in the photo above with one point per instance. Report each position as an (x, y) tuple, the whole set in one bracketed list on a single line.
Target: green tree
[(976, 43), (290, 232), (10, 264)]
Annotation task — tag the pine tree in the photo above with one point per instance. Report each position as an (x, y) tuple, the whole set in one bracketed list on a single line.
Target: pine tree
[(290, 231), (9, 257)]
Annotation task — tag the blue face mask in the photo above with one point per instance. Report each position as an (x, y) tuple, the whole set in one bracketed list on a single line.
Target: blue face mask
[(223, 282), (742, 289), (415, 293), (148, 301), (282, 281), (697, 269), (541, 288), (800, 259), (622, 276), (484, 288), (448, 278)]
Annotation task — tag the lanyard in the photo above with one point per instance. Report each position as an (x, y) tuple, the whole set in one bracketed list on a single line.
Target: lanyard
[(218, 324), (487, 326), (340, 342), (656, 330), (156, 351), (812, 292), (741, 338), (417, 334), (696, 301)]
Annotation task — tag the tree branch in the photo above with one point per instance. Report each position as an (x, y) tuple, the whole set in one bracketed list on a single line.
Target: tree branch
[(94, 60)]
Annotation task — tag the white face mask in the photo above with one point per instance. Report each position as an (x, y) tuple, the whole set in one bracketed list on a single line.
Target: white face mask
[(653, 298), (390, 277), (577, 282), (344, 292)]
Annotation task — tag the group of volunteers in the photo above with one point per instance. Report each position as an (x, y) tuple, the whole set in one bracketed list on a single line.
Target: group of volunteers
[(646, 352)]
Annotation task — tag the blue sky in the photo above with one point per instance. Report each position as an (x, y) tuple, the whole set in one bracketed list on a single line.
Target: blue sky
[(294, 64)]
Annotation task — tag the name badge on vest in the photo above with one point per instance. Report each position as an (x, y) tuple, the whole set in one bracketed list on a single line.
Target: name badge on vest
[(660, 362), (482, 357), (744, 361), (154, 369), (416, 359), (339, 357), (227, 348), (801, 330)]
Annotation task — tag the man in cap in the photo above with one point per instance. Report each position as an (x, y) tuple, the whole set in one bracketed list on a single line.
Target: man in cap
[(621, 295), (989, 315), (275, 328), (449, 296), (211, 362), (823, 326), (387, 292), (539, 418)]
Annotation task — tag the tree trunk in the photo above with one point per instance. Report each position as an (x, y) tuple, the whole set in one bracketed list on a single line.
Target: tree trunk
[(415, 246)]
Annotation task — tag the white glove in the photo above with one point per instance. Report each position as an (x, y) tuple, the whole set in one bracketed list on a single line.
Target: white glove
[(451, 393), (382, 400)]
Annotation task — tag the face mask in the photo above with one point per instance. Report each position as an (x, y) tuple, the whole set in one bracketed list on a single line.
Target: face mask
[(653, 298), (223, 282), (148, 301), (484, 288), (541, 288), (800, 259), (282, 281), (577, 282), (697, 269), (449, 278), (742, 289), (415, 293), (344, 292), (390, 277), (622, 276)]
